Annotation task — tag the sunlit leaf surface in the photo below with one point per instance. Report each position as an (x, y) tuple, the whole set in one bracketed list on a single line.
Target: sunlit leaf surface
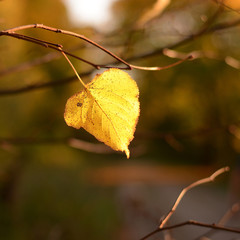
[(108, 108)]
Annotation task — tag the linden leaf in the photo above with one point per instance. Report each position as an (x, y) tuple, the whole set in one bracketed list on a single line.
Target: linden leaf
[(108, 108)]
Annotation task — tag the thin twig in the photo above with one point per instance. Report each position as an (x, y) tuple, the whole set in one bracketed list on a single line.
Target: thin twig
[(229, 60), (89, 147), (206, 29), (72, 142), (190, 222), (226, 6), (224, 219), (195, 223), (189, 57), (56, 30), (29, 64), (184, 41), (37, 86), (11, 33), (47, 45), (185, 190), (217, 27), (230, 213)]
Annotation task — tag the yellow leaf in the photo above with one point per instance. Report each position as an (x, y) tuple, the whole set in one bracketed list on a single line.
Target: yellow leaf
[(108, 108)]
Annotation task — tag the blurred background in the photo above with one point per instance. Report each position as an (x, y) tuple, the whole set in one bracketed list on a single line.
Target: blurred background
[(57, 182)]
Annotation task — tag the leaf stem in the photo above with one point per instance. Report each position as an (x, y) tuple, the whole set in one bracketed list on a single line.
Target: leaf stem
[(75, 71)]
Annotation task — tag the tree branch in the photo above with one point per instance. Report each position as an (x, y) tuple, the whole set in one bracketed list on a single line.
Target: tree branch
[(195, 223), (11, 33), (47, 45), (73, 34), (185, 190), (224, 219), (70, 141), (31, 87), (182, 42), (181, 195), (159, 51), (221, 2)]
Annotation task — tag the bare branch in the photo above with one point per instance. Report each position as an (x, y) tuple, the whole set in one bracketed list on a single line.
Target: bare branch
[(184, 41), (230, 213), (47, 45), (188, 57), (89, 147), (72, 142), (99, 148), (224, 25), (195, 223), (37, 86), (159, 51), (11, 33), (224, 219), (221, 2), (230, 61), (43, 85), (191, 222), (29, 64), (185, 190)]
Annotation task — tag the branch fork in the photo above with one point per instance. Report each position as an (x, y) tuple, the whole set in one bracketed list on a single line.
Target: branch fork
[(12, 33)]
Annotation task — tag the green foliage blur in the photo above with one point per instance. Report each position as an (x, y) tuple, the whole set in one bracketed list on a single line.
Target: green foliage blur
[(189, 113)]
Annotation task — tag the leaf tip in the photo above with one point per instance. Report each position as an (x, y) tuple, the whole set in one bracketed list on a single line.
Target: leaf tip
[(127, 152)]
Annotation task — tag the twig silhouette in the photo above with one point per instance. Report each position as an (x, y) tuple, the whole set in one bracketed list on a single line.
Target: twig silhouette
[(180, 197), (185, 190), (195, 223), (139, 135), (224, 219), (221, 2), (159, 51), (70, 141), (11, 33)]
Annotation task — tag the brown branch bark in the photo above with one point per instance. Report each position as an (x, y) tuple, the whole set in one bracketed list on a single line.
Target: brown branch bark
[(11, 33), (224, 219), (203, 31), (178, 200), (72, 142), (221, 2), (46, 44), (185, 190), (195, 223)]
